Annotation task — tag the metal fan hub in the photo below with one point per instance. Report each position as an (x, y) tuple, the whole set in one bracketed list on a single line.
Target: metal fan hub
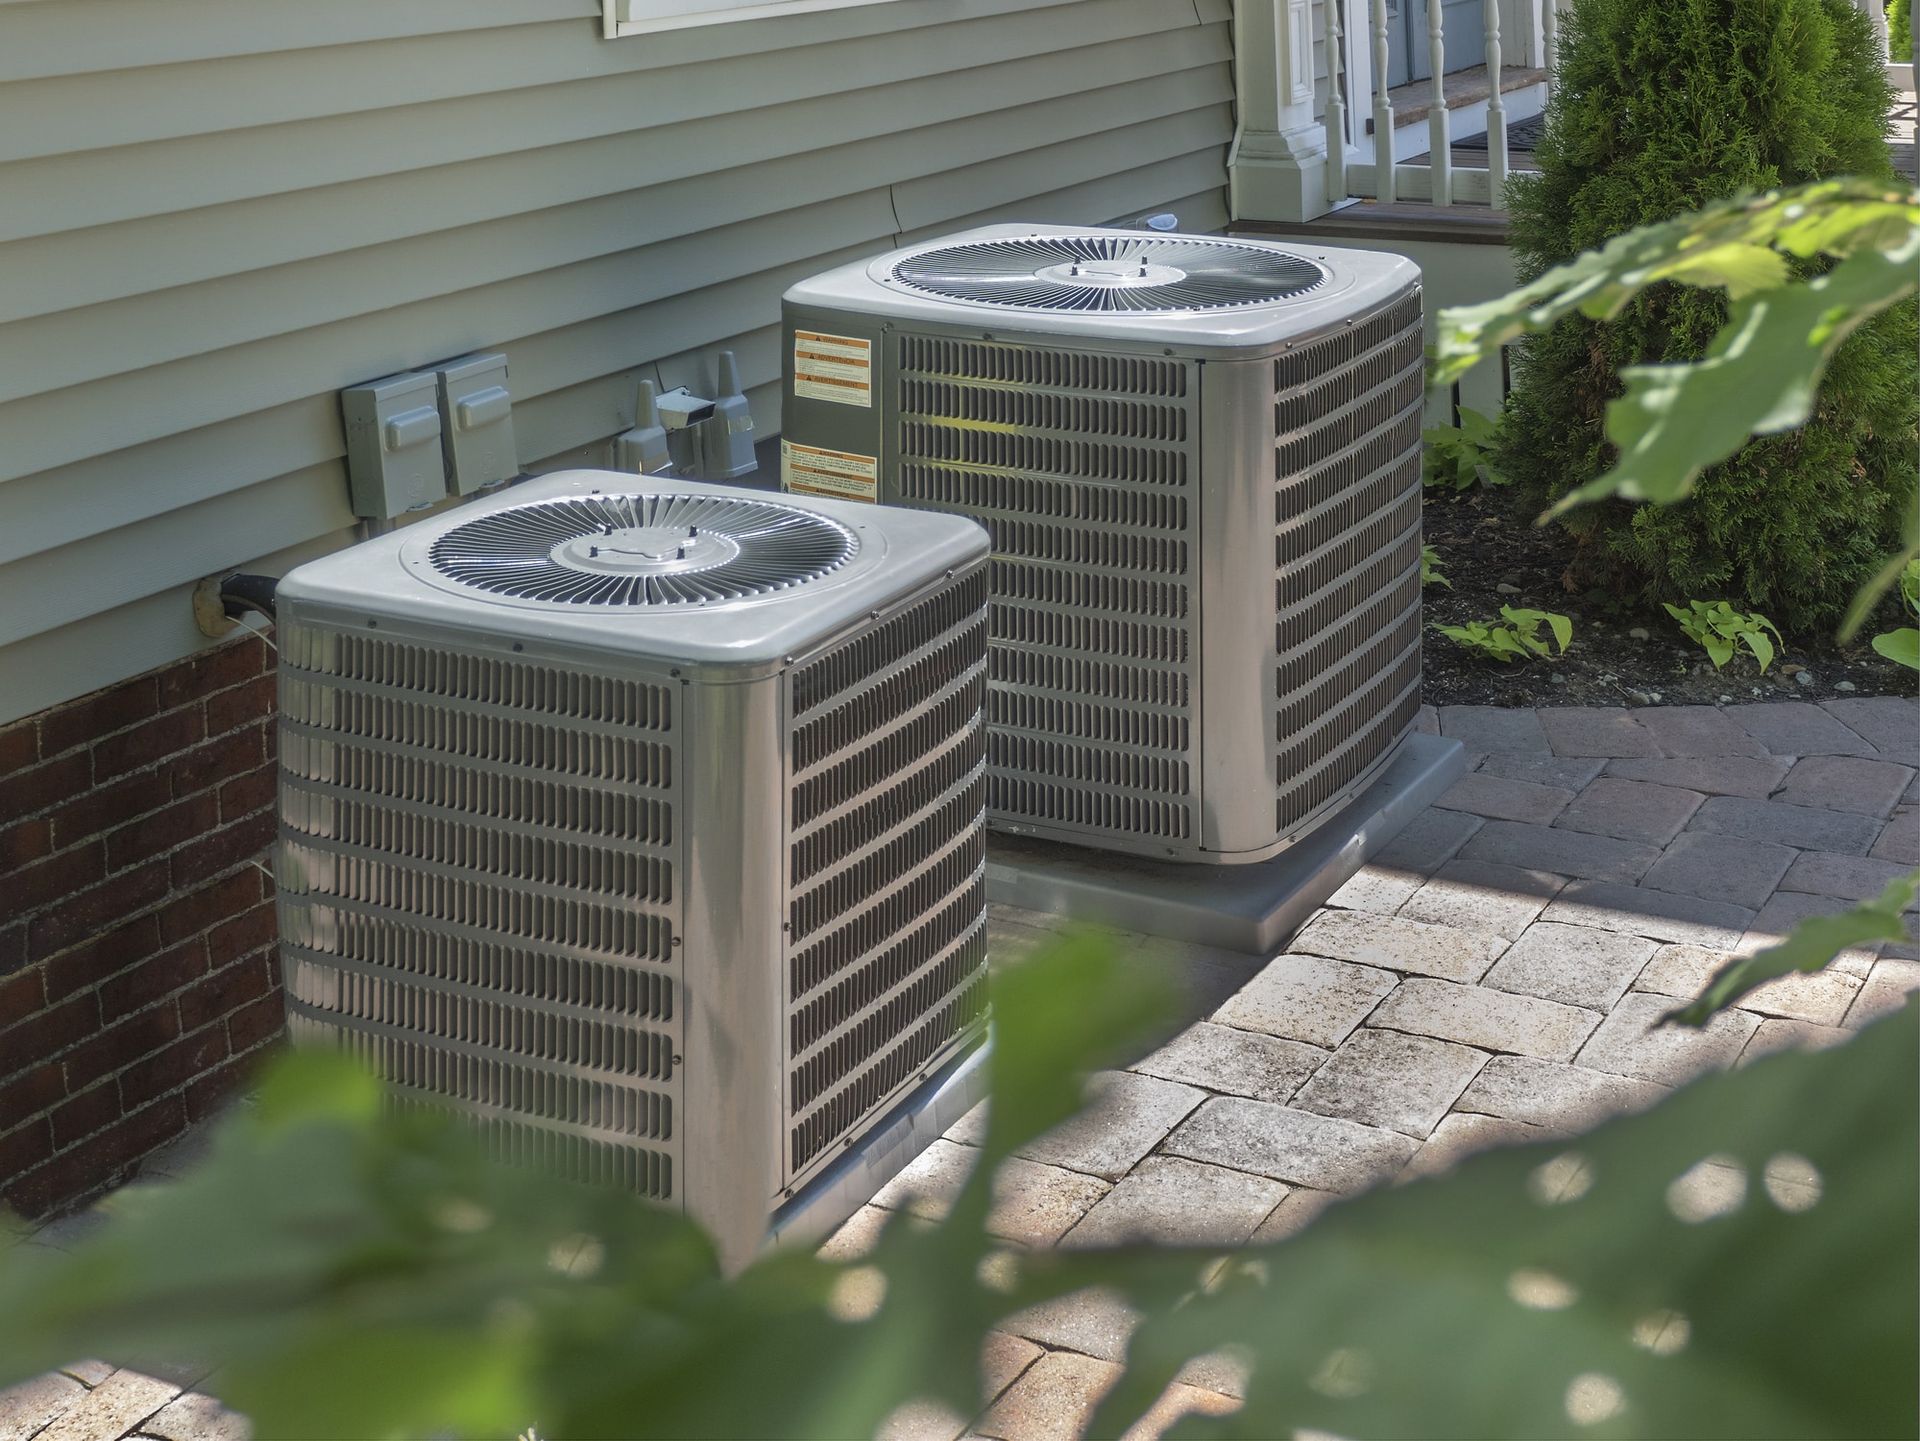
[(1111, 272), (646, 550)]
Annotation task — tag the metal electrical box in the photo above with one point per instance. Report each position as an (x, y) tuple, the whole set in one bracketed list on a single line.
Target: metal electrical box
[(393, 444), (476, 419)]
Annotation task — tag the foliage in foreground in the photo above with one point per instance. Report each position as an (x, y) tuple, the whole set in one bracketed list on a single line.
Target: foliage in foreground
[(1902, 643), (1515, 636), (1736, 1262), (1659, 108), (1720, 630)]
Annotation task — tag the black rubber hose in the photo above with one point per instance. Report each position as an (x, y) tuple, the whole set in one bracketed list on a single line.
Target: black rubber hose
[(240, 593)]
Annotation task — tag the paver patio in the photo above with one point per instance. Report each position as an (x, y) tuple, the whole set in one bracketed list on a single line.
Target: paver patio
[(1491, 977)]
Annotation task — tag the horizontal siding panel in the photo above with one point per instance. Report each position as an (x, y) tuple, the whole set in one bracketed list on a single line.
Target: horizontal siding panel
[(1129, 80), (1120, 197)]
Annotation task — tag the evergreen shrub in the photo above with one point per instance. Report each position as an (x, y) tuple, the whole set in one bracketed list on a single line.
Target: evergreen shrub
[(1900, 30), (1660, 108)]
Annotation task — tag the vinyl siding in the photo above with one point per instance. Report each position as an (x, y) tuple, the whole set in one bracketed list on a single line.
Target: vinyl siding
[(215, 214)]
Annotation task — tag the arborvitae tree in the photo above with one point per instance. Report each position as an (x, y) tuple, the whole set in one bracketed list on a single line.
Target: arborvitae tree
[(1660, 107)]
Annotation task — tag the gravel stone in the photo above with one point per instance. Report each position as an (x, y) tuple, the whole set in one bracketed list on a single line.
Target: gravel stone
[(1505, 800), (1631, 810), (1241, 1063), (1755, 777), (1305, 998), (1126, 1118), (1596, 731), (1298, 1147), (1575, 965), (1488, 1019), (1810, 828), (1555, 1096), (1721, 867), (1634, 910), (1391, 943), (1630, 1043), (1847, 783), (1170, 1201), (1480, 897), (1385, 1078), (1567, 853)]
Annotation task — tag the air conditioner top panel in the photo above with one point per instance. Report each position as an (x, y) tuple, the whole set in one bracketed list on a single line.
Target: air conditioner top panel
[(725, 581), (1194, 293)]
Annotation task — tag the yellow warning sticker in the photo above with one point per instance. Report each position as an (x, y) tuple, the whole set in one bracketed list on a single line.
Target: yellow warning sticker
[(836, 474), (833, 367)]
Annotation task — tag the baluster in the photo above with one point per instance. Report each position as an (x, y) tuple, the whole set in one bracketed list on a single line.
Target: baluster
[(1496, 111), (1383, 176), (1336, 106), (1549, 36), (1439, 137)]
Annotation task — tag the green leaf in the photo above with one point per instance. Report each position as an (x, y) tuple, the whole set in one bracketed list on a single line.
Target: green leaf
[(1901, 646), (1562, 629), (1761, 647), (1813, 943), (1720, 651)]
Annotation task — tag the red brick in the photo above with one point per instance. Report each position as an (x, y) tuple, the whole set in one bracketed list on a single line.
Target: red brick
[(254, 791), (120, 1045), (226, 898), (250, 702), (13, 948), (70, 922), (225, 848), (160, 832), (172, 1068), (33, 790), (90, 1111), (147, 742), (220, 759), (107, 954), (20, 996), (97, 715), (55, 878), (212, 670), (47, 1033), (24, 843), (264, 1019), (210, 1093), (100, 1160), (19, 746), (224, 991), (259, 927), (25, 1146), (156, 976), (104, 807), (32, 1091)]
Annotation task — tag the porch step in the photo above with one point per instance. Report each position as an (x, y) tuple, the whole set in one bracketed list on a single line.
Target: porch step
[(1372, 221), (1413, 102)]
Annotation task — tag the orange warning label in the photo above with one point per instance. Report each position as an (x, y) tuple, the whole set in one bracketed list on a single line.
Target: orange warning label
[(833, 367), (835, 474)]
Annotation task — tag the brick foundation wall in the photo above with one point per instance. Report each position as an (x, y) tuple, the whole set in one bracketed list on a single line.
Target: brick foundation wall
[(138, 975)]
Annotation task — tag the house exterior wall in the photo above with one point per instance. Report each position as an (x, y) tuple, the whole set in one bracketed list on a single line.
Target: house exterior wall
[(215, 214)]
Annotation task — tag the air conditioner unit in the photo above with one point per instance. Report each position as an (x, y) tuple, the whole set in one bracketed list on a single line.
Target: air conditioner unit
[(643, 821), (1199, 460)]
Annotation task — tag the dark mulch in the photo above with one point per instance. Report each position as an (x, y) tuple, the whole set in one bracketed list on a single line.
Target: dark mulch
[(1487, 539)]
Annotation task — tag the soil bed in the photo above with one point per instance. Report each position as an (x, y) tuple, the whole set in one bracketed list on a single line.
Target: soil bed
[(1487, 539)]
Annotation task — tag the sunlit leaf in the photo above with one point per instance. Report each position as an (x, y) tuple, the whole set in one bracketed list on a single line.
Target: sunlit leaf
[(1901, 646)]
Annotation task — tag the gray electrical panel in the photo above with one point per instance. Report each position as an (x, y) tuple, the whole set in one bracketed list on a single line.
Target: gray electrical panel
[(476, 418), (393, 445)]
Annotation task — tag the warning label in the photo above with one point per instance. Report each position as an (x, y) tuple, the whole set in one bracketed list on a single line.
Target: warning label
[(836, 474), (833, 367)]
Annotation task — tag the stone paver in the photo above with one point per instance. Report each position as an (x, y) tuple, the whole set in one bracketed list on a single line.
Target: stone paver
[(1491, 728), (1888, 985), (1721, 867), (1680, 971), (1575, 965), (1630, 1043), (1505, 800), (1322, 1152), (27, 1409), (1798, 728), (1391, 943), (1775, 1035), (196, 1417), (1179, 1202), (1293, 1215), (1430, 839), (1241, 1063), (1753, 777), (1033, 1204), (1564, 852), (1596, 731), (1696, 731), (1095, 1322), (1464, 1133), (1891, 724), (1788, 909), (114, 1407), (1812, 828), (1305, 998), (1541, 768), (1900, 841), (1386, 1078), (1052, 1401), (1487, 1019), (1847, 783), (1553, 1095), (1631, 810), (1379, 889), (1481, 897), (1659, 915), (1852, 878), (1125, 1118)]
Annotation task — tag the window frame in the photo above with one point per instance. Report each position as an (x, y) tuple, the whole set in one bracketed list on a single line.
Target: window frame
[(621, 18)]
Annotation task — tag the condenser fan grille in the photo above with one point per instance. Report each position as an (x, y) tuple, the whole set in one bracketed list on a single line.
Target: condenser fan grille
[(643, 550), (1110, 273)]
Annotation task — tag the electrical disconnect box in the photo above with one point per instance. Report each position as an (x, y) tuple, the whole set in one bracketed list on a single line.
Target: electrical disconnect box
[(393, 445), (476, 421)]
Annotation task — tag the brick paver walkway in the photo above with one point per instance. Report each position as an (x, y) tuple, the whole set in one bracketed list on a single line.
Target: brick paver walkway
[(1491, 977)]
